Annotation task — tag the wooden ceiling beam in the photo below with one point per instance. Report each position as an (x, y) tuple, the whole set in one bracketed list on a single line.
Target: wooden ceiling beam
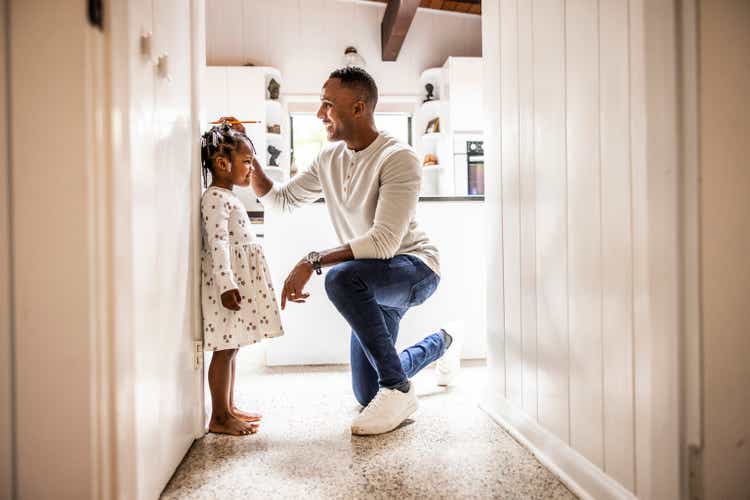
[(396, 23)]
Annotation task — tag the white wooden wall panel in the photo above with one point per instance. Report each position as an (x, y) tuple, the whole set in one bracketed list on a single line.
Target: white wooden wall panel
[(527, 215), (642, 407), (493, 280), (305, 40), (551, 216), (510, 198), (571, 212), (584, 227), (617, 243)]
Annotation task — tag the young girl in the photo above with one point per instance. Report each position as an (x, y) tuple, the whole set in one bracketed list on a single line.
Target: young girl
[(239, 306)]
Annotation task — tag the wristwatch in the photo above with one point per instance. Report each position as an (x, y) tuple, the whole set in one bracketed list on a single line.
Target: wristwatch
[(313, 258)]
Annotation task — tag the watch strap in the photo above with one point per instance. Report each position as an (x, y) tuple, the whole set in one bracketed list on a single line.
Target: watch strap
[(314, 259)]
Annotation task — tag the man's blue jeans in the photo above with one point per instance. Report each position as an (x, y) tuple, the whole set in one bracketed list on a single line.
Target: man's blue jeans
[(373, 295)]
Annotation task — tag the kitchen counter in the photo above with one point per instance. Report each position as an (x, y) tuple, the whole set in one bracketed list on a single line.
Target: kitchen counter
[(436, 198), (316, 334)]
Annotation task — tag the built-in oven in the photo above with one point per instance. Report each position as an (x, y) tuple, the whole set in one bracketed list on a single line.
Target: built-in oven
[(475, 168), (468, 164)]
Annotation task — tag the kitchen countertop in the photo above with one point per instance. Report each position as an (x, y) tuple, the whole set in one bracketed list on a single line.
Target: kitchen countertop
[(432, 199), (439, 199)]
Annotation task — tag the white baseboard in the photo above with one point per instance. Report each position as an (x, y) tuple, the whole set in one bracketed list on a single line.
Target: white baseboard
[(583, 478)]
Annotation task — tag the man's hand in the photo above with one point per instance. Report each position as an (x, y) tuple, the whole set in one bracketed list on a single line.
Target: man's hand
[(231, 299), (294, 285), (239, 127)]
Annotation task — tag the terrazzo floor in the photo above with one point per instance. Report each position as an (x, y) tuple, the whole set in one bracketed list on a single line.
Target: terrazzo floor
[(304, 449)]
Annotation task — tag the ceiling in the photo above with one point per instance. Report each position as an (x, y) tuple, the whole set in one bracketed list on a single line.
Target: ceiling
[(468, 6)]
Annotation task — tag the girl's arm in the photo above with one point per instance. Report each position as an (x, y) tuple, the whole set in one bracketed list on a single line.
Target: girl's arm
[(216, 208)]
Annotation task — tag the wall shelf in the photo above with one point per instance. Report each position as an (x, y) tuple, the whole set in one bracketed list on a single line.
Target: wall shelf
[(430, 107), (432, 136), (457, 91)]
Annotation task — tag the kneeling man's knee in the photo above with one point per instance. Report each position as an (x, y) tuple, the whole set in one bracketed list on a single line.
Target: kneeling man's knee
[(339, 278)]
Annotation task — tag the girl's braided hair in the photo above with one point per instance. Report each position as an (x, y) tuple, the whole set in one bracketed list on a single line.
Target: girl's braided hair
[(220, 140)]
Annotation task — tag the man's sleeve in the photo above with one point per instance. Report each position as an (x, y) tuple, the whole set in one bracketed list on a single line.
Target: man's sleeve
[(400, 182)]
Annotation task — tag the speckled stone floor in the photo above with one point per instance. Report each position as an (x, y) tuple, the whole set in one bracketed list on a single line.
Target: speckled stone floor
[(451, 448)]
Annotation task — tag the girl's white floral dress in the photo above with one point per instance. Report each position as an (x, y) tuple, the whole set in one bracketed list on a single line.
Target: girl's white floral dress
[(232, 257)]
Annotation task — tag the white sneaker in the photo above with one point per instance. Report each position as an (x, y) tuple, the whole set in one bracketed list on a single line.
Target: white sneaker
[(385, 412), (449, 365)]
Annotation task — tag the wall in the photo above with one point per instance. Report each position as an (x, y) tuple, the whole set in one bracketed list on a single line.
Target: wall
[(583, 244), (6, 384), (157, 182), (724, 51), (306, 39)]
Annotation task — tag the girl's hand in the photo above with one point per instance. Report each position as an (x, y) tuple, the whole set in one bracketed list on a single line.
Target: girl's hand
[(231, 299)]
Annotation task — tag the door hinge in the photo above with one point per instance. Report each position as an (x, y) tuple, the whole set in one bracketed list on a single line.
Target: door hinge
[(695, 472), (198, 354)]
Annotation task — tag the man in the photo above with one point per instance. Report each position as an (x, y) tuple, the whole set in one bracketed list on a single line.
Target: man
[(385, 264)]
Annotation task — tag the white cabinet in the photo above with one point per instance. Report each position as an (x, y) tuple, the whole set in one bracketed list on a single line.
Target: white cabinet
[(464, 94), (456, 92), (242, 92)]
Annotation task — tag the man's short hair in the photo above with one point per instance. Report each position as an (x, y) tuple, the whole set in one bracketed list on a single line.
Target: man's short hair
[(360, 80)]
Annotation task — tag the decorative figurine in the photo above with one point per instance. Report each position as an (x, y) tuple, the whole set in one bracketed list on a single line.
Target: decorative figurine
[(429, 160), (274, 155), (433, 126), (273, 89), (430, 88)]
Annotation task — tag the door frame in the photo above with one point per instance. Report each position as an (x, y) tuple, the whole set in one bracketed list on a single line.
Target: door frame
[(671, 37), (690, 206), (7, 445), (74, 219), (106, 418)]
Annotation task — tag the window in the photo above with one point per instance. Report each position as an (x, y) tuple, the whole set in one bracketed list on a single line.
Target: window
[(396, 124), (309, 135)]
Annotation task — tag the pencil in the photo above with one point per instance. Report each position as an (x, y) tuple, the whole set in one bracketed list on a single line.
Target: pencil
[(232, 122)]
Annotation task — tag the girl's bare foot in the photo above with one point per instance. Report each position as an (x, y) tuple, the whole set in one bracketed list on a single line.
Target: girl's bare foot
[(246, 416), (229, 424)]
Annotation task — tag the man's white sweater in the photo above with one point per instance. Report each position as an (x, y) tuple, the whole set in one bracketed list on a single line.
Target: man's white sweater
[(371, 197)]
